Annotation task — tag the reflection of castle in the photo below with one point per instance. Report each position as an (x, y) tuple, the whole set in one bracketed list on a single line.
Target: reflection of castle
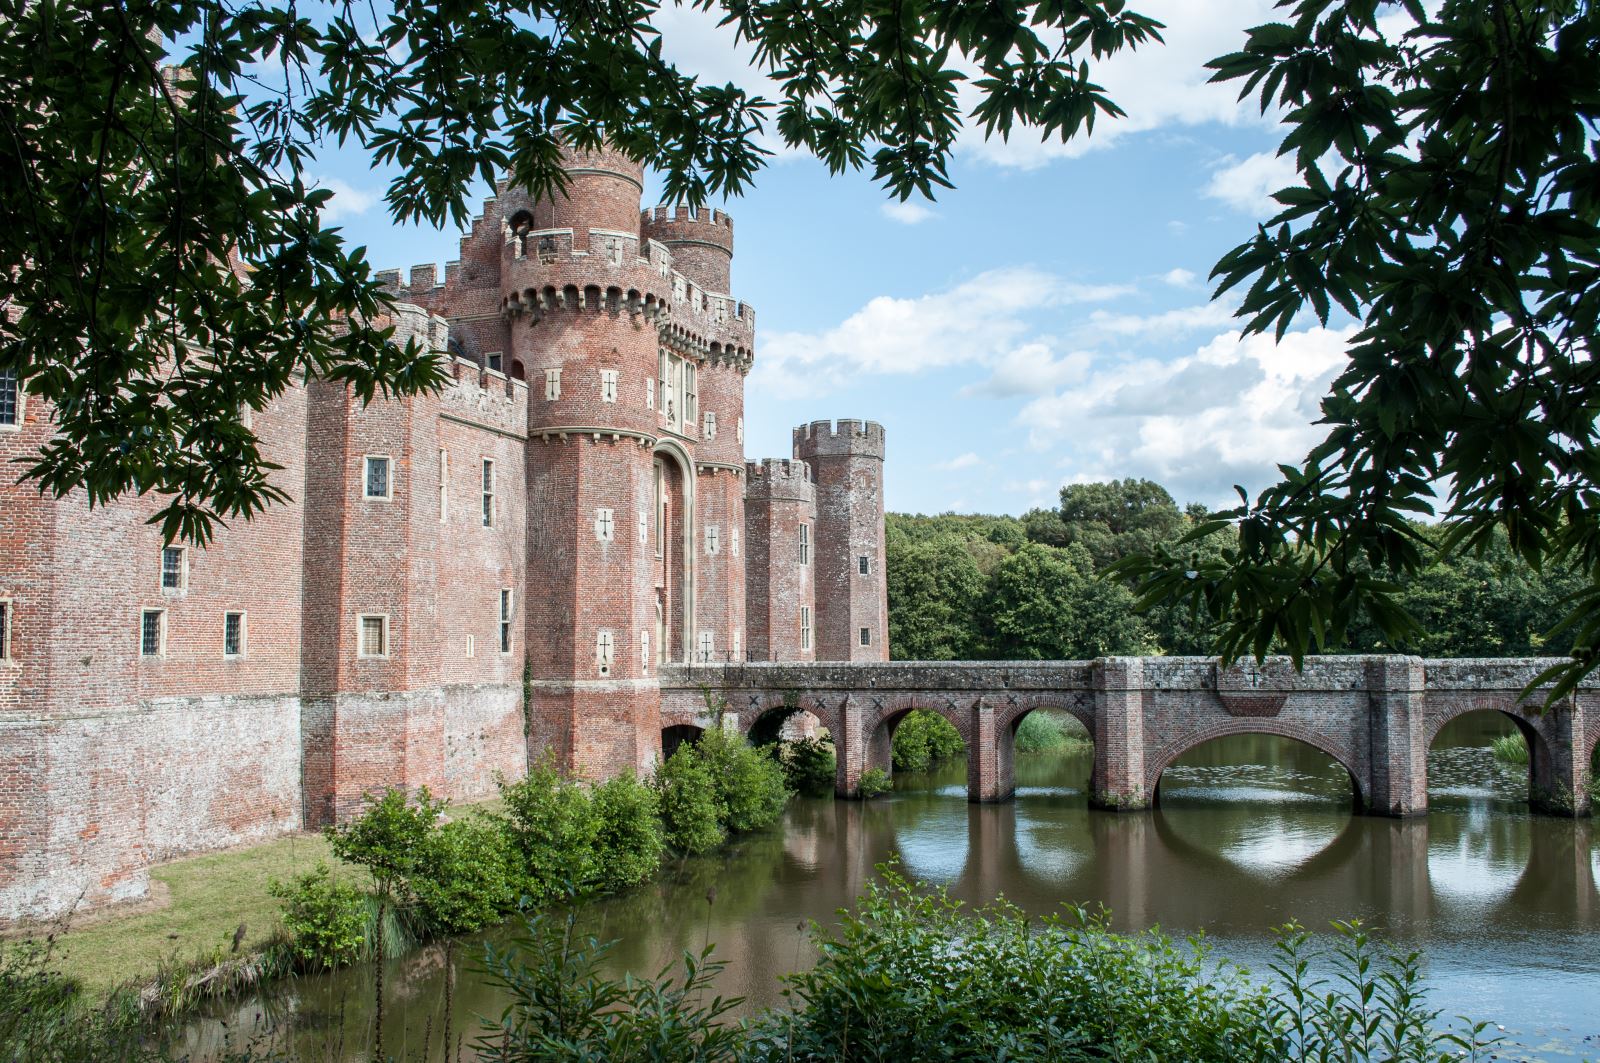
[(464, 580)]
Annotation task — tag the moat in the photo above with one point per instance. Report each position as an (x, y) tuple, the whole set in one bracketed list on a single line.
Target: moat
[(1251, 832)]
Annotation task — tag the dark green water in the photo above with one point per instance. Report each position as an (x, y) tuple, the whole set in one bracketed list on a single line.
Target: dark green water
[(1251, 832)]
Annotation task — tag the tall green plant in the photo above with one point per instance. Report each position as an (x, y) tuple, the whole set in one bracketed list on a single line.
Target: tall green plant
[(688, 798), (629, 839), (549, 825), (750, 791)]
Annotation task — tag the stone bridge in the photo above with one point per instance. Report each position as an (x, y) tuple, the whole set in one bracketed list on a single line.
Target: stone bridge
[(1376, 716)]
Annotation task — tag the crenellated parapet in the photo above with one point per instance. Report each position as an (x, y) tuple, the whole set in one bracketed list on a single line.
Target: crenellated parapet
[(779, 479), (844, 437), (484, 398), (701, 241)]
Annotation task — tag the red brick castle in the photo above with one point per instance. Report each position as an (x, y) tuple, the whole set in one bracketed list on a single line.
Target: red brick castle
[(464, 580)]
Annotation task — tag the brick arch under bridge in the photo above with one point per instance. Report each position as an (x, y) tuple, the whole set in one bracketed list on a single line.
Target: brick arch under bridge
[(1376, 716)]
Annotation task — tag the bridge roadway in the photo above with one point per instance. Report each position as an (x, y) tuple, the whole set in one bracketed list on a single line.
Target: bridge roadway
[(1376, 716)]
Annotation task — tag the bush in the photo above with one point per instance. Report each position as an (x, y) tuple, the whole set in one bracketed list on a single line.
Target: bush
[(923, 739), (688, 801), (628, 836), (326, 919), (750, 793), (1511, 749), (550, 826), (874, 781), (388, 839), (463, 882), (1045, 731), (809, 766)]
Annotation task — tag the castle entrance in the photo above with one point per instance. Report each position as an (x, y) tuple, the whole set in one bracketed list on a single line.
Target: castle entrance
[(673, 557)]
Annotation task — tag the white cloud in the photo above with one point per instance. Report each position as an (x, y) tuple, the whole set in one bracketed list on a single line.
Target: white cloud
[(1166, 323), (1179, 278), (982, 321), (347, 202), (1225, 414), (969, 460), (1247, 185), (1031, 369), (909, 212)]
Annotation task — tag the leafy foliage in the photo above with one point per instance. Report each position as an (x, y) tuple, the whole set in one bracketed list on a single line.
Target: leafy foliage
[(464, 881), (628, 841), (326, 918), (750, 791), (389, 840), (874, 782), (550, 825), (923, 739), (809, 766), (163, 247), (688, 801), (1449, 200)]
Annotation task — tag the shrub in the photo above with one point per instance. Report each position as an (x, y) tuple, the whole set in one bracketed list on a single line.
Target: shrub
[(388, 839), (688, 802), (549, 825), (326, 919), (1511, 748), (463, 882), (750, 793), (874, 781), (1045, 731), (809, 766), (628, 836), (923, 739)]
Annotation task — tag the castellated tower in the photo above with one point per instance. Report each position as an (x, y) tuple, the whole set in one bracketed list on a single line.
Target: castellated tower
[(851, 587), (780, 500)]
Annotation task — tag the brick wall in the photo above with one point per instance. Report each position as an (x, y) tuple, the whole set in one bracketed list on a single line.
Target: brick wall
[(846, 462)]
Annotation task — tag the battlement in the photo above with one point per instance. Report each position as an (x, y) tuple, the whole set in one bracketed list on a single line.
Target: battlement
[(704, 224), (701, 240), (413, 322), (485, 397), (846, 436), (779, 478)]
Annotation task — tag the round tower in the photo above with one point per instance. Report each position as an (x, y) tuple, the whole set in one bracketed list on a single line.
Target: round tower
[(780, 603), (602, 196), (846, 460), (701, 242)]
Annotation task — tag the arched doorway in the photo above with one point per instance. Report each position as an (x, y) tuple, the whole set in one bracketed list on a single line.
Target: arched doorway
[(671, 535), (676, 735)]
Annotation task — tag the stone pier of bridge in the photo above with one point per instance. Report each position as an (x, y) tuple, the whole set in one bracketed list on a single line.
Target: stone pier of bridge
[(1376, 716)]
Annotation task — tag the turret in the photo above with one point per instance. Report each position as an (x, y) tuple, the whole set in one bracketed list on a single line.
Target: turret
[(846, 461), (701, 242), (780, 515)]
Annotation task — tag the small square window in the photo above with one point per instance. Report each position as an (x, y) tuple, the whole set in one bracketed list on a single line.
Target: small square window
[(233, 634), (5, 629), (153, 633), (173, 568), (374, 637), (866, 636), (496, 361), (552, 384), (863, 566), (377, 478), (608, 385), (10, 399)]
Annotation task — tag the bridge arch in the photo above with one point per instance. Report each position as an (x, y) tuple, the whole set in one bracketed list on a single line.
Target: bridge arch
[(676, 734), (886, 716), (1558, 760), (1328, 745)]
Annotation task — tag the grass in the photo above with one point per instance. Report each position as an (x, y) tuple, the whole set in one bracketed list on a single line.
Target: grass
[(1511, 749)]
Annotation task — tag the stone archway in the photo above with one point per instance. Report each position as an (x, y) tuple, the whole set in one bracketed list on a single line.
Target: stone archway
[(1292, 730), (672, 533)]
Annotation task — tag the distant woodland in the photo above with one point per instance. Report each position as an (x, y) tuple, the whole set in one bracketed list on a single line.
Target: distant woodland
[(1009, 588)]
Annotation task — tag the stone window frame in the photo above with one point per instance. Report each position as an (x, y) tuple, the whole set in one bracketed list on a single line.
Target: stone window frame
[(507, 611), (863, 565), (472, 646), (805, 627), (18, 399), (608, 385), (7, 611), (865, 636), (691, 393), (605, 651), (489, 495), (160, 650), (367, 461), (386, 644), (244, 635), (552, 384), (179, 571), (804, 543), (490, 358)]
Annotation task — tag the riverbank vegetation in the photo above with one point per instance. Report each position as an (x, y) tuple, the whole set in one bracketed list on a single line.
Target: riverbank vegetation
[(973, 587)]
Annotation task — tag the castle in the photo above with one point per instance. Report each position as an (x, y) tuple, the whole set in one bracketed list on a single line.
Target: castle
[(464, 580)]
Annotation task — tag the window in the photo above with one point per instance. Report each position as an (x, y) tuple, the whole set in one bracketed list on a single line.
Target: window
[(488, 493), (866, 636), (691, 399), (666, 373), (604, 650), (552, 384), (608, 385), (805, 544), (706, 647), (10, 400), (153, 633), (805, 627), (495, 361), (605, 525), (233, 634), (472, 645), (734, 637), (644, 651), (644, 527), (5, 629), (739, 430), (374, 637), (649, 394), (661, 508), (711, 538), (505, 620), (173, 568), (733, 540), (711, 425), (863, 566), (444, 485), (377, 477)]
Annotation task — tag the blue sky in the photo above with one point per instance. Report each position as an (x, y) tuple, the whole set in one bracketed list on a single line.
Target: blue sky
[(1047, 322)]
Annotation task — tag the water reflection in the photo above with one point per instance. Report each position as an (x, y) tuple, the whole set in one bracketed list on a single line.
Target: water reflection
[(1250, 833)]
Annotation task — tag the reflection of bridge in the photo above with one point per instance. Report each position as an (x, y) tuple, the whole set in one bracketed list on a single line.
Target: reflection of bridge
[(1376, 716)]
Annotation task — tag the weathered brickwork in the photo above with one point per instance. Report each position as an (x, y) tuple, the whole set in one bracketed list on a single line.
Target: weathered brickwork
[(846, 462), (462, 581), (1376, 716)]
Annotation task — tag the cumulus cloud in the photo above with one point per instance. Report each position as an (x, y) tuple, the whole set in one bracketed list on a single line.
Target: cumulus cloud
[(1225, 414), (347, 202), (1247, 185), (1179, 278), (1031, 369), (969, 460), (1165, 323), (982, 321), (909, 212)]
